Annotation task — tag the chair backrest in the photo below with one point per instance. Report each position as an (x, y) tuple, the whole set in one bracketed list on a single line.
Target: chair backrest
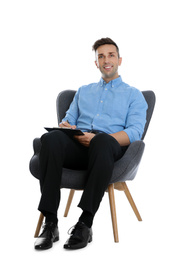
[(63, 102), (65, 98), (150, 99)]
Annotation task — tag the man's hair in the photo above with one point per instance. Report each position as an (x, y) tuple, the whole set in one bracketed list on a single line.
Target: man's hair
[(104, 41)]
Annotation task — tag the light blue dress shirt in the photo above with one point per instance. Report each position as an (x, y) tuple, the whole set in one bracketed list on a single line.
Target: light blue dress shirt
[(110, 108)]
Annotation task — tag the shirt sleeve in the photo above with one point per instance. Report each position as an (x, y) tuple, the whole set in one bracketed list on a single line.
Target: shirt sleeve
[(136, 117), (72, 113)]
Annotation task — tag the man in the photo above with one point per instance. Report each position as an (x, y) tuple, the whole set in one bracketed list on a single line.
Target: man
[(112, 115)]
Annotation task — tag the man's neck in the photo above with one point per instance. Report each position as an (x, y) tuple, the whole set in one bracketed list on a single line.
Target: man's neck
[(107, 80)]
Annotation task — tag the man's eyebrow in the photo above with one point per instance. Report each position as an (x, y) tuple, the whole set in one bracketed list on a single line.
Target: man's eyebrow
[(108, 53)]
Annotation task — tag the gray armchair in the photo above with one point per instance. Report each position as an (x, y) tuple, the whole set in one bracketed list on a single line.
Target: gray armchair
[(125, 169)]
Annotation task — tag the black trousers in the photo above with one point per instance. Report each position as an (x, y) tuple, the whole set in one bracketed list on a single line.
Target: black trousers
[(58, 151)]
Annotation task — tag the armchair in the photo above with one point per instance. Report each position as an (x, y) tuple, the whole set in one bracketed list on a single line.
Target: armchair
[(125, 169)]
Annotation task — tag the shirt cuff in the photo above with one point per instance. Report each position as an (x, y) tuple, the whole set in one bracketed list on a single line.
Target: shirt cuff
[(133, 134)]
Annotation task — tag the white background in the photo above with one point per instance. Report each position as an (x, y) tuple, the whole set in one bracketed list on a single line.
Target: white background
[(45, 47)]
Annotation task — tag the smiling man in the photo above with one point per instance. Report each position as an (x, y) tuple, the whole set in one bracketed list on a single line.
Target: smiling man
[(112, 115), (108, 60)]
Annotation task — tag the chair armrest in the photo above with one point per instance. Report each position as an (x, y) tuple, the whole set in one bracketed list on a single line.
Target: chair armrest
[(34, 162), (37, 145), (126, 167)]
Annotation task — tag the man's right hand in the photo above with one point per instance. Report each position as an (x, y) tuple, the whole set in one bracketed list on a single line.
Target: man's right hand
[(66, 124)]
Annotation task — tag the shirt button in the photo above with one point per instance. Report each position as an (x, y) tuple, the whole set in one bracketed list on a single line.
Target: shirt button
[(97, 114), (101, 101), (105, 88)]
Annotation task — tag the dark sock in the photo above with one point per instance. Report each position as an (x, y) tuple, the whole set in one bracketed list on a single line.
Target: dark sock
[(87, 218), (50, 217)]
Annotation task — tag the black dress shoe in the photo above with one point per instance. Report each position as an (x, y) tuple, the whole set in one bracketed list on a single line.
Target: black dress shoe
[(49, 235), (81, 235)]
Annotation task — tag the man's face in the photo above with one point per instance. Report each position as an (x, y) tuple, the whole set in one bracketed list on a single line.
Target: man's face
[(107, 61)]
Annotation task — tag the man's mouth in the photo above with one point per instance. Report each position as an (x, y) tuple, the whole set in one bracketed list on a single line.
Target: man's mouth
[(107, 67)]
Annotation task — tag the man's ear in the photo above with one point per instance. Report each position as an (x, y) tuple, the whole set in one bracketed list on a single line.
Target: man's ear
[(120, 61), (96, 63)]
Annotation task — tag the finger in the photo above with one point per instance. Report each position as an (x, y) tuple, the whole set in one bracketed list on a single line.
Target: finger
[(66, 124), (63, 124)]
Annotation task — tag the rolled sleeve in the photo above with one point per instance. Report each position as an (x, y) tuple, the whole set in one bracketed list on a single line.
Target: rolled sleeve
[(136, 117)]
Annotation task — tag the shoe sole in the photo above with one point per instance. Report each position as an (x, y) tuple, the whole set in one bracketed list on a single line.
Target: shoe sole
[(56, 239)]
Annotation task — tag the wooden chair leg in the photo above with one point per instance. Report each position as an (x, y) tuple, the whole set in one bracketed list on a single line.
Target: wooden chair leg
[(69, 202), (113, 211), (131, 201), (40, 221)]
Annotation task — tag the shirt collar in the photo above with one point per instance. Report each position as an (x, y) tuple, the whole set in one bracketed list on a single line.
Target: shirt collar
[(113, 83)]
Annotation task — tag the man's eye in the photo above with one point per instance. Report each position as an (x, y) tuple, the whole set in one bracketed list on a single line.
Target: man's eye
[(100, 56)]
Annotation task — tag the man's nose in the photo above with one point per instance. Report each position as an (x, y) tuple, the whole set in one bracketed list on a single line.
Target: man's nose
[(106, 60)]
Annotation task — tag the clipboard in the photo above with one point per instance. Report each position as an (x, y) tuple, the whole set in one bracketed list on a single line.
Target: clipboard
[(69, 131)]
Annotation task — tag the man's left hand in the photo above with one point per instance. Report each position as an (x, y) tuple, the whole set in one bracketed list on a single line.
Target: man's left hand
[(85, 139)]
